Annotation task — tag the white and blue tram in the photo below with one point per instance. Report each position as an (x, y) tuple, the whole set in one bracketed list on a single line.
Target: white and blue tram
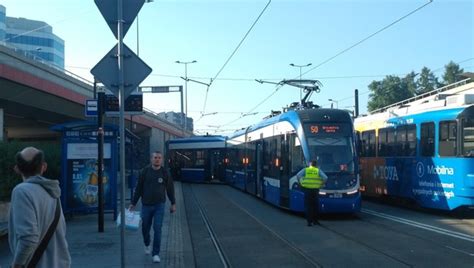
[(197, 159), (263, 159), (421, 149)]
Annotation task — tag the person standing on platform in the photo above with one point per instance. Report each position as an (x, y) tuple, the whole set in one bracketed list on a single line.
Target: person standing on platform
[(311, 180), (36, 227), (154, 183)]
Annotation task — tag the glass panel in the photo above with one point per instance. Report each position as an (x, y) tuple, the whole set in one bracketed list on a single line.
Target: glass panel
[(468, 138), (448, 140), (334, 154)]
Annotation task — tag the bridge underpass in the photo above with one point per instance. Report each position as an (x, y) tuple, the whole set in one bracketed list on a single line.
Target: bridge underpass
[(35, 96)]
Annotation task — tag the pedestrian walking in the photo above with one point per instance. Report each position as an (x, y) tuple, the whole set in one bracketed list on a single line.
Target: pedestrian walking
[(154, 183), (36, 227), (311, 180)]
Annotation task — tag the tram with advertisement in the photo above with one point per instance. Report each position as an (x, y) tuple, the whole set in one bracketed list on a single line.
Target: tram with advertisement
[(197, 159), (263, 159), (421, 149)]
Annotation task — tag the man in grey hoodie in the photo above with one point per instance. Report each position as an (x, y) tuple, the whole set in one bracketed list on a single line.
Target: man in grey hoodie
[(32, 210)]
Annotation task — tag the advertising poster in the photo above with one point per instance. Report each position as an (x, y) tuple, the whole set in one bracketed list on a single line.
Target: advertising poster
[(83, 179)]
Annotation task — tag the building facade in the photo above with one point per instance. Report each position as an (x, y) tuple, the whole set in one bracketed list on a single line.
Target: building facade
[(34, 38), (178, 119)]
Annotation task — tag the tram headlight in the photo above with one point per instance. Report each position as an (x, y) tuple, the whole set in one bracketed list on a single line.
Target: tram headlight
[(353, 191)]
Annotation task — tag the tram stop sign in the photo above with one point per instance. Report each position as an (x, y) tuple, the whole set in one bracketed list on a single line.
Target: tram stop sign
[(135, 71)]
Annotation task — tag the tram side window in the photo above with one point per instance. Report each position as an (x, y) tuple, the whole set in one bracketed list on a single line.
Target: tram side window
[(187, 158), (406, 140), (297, 157), (200, 157), (386, 142), (251, 155), (447, 138), (468, 138), (368, 143), (382, 148), (427, 139), (410, 147)]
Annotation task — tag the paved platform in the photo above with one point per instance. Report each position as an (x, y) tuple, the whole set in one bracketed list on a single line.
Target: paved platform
[(89, 248)]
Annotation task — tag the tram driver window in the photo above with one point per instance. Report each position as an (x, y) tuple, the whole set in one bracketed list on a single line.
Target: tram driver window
[(447, 138)]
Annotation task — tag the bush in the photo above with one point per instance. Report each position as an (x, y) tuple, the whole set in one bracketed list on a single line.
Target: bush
[(9, 179)]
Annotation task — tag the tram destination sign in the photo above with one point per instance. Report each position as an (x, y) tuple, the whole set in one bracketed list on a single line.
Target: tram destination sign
[(326, 129)]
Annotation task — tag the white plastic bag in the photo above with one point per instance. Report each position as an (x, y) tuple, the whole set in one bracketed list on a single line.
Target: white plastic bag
[(132, 220)]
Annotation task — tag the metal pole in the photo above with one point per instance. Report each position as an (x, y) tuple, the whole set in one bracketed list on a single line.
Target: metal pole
[(100, 160), (138, 39), (186, 95), (95, 89), (182, 112), (122, 129), (301, 90), (356, 112)]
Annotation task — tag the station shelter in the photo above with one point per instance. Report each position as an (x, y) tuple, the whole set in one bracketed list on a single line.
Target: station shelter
[(79, 166)]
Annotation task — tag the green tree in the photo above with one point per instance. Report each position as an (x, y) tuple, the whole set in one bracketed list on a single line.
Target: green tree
[(452, 73), (410, 83), (390, 90), (427, 81)]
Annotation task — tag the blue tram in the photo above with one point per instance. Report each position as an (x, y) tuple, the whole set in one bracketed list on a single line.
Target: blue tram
[(263, 159), (197, 159), (422, 149)]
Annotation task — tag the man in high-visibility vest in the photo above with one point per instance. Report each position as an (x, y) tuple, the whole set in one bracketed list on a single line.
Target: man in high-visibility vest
[(311, 180)]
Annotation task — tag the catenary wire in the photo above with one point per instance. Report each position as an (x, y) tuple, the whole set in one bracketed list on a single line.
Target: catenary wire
[(233, 53), (368, 37)]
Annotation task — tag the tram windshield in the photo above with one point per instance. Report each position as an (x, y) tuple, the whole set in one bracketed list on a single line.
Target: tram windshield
[(468, 137), (333, 147)]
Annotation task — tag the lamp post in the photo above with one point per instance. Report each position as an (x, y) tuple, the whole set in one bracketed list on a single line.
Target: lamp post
[(334, 101), (300, 66), (185, 89)]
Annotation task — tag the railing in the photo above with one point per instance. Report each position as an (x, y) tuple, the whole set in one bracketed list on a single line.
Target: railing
[(36, 58), (424, 95)]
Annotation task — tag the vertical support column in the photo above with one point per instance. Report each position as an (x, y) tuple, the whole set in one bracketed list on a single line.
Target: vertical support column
[(1, 124)]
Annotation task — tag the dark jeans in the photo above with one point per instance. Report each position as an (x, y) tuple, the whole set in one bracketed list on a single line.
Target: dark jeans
[(148, 213), (311, 204)]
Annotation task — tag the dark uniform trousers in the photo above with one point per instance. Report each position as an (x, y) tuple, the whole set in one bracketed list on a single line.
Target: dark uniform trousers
[(311, 203)]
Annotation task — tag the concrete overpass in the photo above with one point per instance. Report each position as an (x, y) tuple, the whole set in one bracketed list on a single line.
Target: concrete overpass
[(34, 96)]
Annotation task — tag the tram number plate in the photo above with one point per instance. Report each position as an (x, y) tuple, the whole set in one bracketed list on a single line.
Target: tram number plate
[(336, 195)]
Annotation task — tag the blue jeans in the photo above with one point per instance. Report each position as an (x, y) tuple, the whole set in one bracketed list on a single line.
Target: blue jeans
[(148, 213)]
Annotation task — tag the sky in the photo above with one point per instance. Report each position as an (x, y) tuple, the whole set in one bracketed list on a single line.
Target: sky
[(349, 44)]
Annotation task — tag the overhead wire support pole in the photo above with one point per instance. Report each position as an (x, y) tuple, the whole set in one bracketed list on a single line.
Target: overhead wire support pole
[(122, 129)]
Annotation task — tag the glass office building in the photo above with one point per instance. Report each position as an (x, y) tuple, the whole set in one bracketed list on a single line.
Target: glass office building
[(34, 38)]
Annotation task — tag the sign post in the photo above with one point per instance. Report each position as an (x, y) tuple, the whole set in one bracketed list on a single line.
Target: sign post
[(121, 71)]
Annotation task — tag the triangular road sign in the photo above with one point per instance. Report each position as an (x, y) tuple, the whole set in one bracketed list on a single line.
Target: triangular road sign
[(109, 10)]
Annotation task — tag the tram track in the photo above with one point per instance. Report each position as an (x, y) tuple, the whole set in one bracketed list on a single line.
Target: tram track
[(299, 250), (310, 262), (377, 243), (215, 240), (347, 237)]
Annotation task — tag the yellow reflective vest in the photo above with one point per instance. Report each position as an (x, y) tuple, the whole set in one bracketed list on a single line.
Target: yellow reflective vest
[(311, 179)]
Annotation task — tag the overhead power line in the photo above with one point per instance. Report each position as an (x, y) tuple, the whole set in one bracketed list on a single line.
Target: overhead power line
[(366, 38), (235, 50)]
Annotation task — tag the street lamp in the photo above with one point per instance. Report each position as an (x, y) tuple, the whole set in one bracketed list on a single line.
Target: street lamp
[(185, 89), (300, 66), (334, 101)]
